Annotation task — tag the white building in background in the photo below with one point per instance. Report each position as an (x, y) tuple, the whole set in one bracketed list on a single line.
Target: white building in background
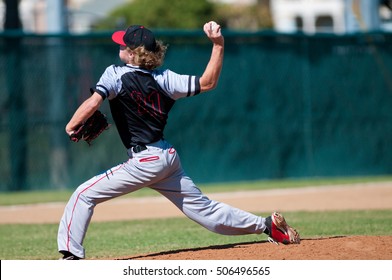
[(329, 16), (309, 16)]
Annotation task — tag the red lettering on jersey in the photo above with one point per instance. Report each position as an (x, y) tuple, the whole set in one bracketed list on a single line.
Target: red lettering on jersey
[(150, 104)]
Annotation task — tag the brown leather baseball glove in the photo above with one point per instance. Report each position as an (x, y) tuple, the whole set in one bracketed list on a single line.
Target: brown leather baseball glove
[(91, 128)]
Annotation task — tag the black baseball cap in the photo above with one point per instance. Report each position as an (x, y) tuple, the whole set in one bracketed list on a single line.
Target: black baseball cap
[(135, 36)]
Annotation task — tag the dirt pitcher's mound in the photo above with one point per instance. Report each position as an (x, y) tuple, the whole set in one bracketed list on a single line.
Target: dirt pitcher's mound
[(332, 248)]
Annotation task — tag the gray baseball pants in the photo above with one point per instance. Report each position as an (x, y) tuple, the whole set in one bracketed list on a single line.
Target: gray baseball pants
[(158, 168)]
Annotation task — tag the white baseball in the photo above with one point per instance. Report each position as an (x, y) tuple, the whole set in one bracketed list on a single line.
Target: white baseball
[(213, 25)]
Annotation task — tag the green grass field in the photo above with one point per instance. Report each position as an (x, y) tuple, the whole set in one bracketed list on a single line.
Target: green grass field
[(110, 240)]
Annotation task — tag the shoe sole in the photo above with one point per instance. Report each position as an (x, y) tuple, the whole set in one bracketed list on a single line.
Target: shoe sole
[(282, 225)]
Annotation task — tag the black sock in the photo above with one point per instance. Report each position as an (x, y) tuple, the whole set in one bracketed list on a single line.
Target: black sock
[(268, 223)]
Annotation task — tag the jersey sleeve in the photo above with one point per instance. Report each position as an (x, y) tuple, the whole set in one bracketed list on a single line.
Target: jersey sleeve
[(109, 84), (178, 86)]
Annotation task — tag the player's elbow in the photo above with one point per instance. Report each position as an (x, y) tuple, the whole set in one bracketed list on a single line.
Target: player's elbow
[(208, 85), (207, 88)]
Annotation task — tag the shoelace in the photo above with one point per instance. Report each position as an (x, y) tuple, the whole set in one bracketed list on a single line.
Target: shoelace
[(271, 240)]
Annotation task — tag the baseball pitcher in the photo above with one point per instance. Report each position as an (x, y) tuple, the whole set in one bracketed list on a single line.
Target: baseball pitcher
[(141, 96)]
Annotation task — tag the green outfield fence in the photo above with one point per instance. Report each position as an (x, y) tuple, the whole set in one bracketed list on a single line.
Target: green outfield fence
[(286, 106)]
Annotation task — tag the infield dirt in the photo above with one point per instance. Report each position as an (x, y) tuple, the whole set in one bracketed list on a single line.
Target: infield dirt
[(333, 248)]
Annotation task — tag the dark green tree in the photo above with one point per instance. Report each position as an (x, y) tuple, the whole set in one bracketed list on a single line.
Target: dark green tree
[(173, 14)]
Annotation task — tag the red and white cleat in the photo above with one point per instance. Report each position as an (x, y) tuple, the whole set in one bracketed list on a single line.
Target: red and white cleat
[(279, 231)]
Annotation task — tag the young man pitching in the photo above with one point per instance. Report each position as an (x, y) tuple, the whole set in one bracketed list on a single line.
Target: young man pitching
[(140, 97)]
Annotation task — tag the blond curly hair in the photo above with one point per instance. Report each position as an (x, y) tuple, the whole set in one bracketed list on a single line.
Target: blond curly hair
[(147, 59)]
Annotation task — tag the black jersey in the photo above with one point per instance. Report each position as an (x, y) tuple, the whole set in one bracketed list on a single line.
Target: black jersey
[(141, 100)]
